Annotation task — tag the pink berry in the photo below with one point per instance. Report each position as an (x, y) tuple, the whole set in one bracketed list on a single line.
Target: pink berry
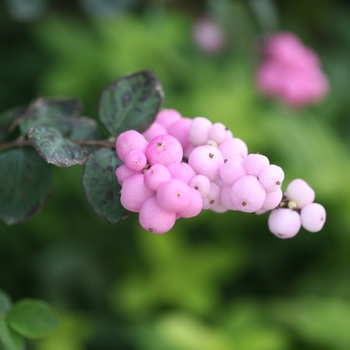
[(200, 183), (135, 160), (155, 219), (167, 117), (130, 140), (134, 192), (217, 132), (180, 130), (156, 175), (155, 130), (174, 195), (122, 172), (194, 207), (272, 199), (164, 149)]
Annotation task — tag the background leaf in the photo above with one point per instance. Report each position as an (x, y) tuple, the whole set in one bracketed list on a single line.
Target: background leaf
[(24, 10), (7, 120), (101, 188), (55, 112), (84, 129), (10, 339), (25, 185), (5, 302), (32, 318), (131, 102), (54, 148)]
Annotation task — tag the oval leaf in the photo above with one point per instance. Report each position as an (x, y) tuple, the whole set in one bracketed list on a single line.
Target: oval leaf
[(5, 302), (54, 148), (101, 188), (84, 128), (25, 185), (10, 339), (131, 102), (56, 112), (32, 318)]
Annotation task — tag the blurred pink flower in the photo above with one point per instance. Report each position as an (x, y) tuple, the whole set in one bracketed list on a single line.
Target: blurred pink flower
[(290, 71), (208, 36)]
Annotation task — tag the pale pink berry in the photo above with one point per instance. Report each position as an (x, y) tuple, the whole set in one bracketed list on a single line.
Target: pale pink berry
[(213, 197), (130, 140), (233, 146), (155, 219), (255, 163), (232, 169), (272, 199), (174, 195), (206, 160), (201, 183), (134, 192), (284, 222), (271, 178), (164, 149), (217, 132), (247, 194), (313, 217), (225, 198), (199, 131), (300, 192)]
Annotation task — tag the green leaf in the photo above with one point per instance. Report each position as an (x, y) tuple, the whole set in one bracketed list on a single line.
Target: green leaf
[(107, 7), (58, 113), (7, 121), (131, 103), (25, 185), (84, 129), (5, 302), (101, 188), (54, 148), (32, 318), (10, 339)]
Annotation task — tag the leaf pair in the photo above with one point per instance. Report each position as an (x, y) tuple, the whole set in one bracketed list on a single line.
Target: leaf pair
[(29, 318)]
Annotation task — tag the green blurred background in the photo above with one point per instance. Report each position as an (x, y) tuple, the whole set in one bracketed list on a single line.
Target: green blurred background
[(217, 281)]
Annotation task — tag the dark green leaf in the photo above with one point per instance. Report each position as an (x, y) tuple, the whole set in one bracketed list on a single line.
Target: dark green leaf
[(10, 339), (101, 188), (84, 129), (24, 10), (131, 103), (8, 119), (56, 112), (5, 302), (32, 318), (54, 148), (25, 185)]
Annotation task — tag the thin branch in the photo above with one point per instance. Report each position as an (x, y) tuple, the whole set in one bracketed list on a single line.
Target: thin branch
[(19, 143)]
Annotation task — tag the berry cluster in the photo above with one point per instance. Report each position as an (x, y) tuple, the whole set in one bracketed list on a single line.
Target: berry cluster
[(180, 166), (297, 209), (290, 71)]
